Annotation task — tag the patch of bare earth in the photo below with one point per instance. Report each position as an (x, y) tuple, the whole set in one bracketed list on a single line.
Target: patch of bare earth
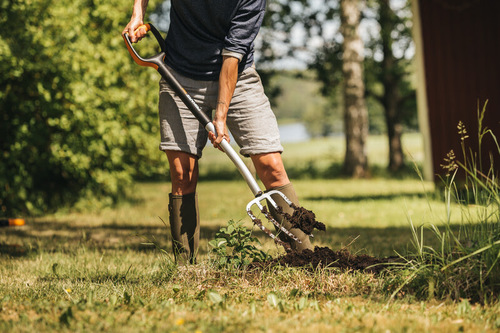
[(326, 257), (305, 220)]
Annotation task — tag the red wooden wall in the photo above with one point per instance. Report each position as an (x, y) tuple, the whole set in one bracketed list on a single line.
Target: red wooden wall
[(461, 50)]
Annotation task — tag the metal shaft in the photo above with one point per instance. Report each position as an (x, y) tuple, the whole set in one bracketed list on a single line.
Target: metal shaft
[(238, 162)]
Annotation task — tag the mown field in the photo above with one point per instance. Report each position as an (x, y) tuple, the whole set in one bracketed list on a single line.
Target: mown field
[(111, 270)]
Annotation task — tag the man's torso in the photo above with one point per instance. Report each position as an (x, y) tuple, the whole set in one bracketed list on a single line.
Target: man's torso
[(199, 31)]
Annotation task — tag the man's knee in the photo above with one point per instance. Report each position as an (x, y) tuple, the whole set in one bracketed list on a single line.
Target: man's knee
[(183, 172), (183, 178), (270, 169)]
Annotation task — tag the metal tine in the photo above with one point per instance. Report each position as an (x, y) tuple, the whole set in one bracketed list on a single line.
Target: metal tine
[(258, 222), (264, 211)]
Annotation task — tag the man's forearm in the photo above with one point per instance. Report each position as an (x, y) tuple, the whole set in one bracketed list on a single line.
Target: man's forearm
[(139, 8), (227, 83)]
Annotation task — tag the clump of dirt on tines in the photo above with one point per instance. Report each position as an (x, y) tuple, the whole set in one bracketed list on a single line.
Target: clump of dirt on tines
[(303, 219), (325, 257)]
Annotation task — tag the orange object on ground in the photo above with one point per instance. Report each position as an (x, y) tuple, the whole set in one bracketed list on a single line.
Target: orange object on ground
[(11, 222)]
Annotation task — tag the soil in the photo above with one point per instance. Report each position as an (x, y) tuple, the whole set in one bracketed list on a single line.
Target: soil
[(325, 257), (303, 219)]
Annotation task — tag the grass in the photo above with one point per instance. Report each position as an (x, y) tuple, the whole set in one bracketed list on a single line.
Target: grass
[(466, 262), (93, 271), (321, 158)]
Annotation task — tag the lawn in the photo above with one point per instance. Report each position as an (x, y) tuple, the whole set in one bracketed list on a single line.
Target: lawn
[(107, 271)]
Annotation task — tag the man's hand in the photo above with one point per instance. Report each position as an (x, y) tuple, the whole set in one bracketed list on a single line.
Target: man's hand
[(134, 34), (220, 127)]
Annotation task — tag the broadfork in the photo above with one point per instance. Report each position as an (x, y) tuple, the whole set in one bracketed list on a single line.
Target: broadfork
[(157, 62)]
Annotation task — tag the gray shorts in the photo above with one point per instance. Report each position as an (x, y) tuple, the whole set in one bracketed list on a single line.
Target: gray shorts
[(250, 118)]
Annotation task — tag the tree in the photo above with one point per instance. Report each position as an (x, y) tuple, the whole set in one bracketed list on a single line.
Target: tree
[(69, 128), (355, 112), (286, 17), (386, 74), (397, 96)]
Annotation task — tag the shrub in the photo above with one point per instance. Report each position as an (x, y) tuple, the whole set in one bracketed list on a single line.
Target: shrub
[(69, 125)]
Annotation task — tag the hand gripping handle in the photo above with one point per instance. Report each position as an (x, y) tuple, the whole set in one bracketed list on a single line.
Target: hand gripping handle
[(154, 61)]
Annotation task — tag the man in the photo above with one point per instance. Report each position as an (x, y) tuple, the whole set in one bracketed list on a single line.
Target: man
[(210, 52)]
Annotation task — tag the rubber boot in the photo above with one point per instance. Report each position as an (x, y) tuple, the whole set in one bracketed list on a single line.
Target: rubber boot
[(289, 192), (184, 226)]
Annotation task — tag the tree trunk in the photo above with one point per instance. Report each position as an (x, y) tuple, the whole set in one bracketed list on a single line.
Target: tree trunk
[(394, 131), (392, 96), (355, 112)]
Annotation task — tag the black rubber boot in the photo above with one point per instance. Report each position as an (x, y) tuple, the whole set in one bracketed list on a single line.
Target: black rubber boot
[(184, 226), (289, 192)]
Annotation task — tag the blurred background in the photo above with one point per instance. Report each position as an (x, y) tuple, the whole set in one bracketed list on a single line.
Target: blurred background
[(78, 118)]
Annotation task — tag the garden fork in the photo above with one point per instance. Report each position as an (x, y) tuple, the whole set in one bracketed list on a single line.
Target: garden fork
[(157, 63)]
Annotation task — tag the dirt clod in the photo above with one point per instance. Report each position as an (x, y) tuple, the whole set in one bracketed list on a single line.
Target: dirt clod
[(303, 219)]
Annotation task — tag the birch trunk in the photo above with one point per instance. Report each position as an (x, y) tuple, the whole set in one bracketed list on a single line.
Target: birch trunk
[(355, 111)]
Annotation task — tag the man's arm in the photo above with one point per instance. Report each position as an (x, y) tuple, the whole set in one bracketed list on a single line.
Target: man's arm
[(136, 20), (227, 83)]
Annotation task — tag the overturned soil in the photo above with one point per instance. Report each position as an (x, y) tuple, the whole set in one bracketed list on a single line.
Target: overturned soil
[(325, 257), (305, 220)]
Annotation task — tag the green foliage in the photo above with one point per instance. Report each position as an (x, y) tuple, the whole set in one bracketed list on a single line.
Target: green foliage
[(278, 301), (466, 264), (234, 248), (78, 116)]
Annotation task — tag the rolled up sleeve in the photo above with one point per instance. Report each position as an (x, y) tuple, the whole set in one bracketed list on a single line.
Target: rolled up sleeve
[(228, 53), (245, 26)]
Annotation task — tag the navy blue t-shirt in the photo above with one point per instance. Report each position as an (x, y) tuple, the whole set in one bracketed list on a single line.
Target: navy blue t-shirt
[(201, 29)]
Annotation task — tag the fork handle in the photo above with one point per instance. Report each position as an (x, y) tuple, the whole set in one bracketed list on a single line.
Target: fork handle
[(237, 161)]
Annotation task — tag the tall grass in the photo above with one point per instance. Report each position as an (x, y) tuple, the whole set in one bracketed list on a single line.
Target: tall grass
[(466, 264)]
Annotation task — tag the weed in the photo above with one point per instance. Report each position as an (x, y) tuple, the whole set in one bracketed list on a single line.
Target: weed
[(234, 246)]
